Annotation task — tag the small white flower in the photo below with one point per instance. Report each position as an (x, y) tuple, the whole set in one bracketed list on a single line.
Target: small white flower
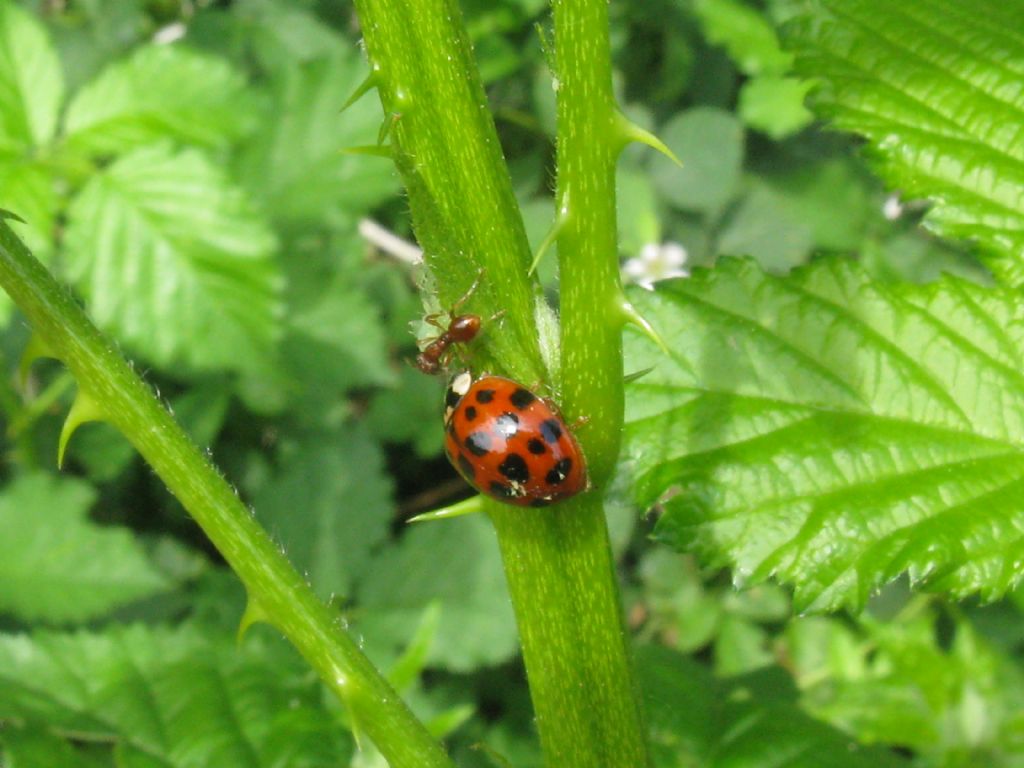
[(892, 208), (656, 262), (170, 33)]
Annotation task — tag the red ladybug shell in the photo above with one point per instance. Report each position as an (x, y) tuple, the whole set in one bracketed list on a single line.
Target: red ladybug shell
[(510, 444)]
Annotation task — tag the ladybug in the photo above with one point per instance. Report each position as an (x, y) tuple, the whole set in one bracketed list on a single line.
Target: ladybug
[(510, 444)]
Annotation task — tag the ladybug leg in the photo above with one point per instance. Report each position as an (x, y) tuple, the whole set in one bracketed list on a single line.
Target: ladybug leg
[(581, 421)]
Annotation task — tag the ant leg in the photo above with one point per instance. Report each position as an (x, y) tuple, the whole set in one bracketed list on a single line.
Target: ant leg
[(469, 292), (432, 320)]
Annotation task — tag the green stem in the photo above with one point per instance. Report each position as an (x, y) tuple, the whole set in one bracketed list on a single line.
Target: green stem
[(558, 562), (446, 148), (560, 568), (562, 582), (276, 591), (589, 141)]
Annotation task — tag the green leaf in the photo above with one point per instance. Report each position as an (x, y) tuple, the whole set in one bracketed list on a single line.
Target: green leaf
[(34, 747), (297, 164), (334, 341), (161, 91), (926, 679), (330, 506), (175, 262), (171, 698), (273, 34), (688, 611), (201, 410), (677, 606), (56, 565), (639, 222), (835, 433), (410, 412), (775, 105), (935, 88), (746, 35), (31, 82), (28, 189), (477, 627), (710, 144), (498, 57), (837, 200), (751, 721), (915, 257), (763, 225), (339, 339), (92, 34), (741, 646)]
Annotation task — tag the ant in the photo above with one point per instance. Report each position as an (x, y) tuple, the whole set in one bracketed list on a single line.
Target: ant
[(461, 329)]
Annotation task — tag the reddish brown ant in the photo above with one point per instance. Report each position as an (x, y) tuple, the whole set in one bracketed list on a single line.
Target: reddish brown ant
[(461, 329)]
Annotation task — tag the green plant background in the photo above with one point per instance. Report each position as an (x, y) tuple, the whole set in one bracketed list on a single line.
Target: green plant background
[(836, 410)]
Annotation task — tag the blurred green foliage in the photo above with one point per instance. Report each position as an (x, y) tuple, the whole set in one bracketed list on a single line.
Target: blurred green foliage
[(183, 167)]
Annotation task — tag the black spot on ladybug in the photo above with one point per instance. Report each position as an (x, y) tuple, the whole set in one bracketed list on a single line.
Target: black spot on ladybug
[(466, 467), (470, 413), (559, 472), (501, 490), (522, 398), (479, 443), (514, 468), (550, 430), (506, 425), (540, 502), (535, 446), (484, 396)]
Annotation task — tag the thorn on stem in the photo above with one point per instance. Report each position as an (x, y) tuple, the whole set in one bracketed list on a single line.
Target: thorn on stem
[(630, 132), (84, 409), (561, 219), (369, 83), (630, 315), (468, 506)]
